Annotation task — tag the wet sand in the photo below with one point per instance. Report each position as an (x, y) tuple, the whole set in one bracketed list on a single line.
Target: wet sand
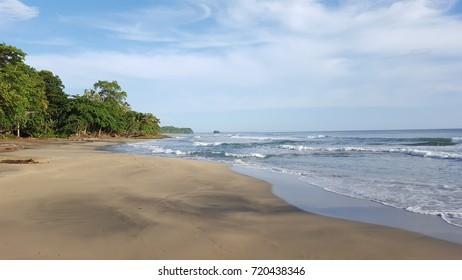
[(313, 199)]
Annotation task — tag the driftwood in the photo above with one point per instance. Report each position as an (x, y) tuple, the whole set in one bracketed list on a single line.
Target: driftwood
[(19, 161), (9, 147)]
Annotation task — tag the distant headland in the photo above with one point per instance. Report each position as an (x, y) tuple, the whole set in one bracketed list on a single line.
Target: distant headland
[(176, 130)]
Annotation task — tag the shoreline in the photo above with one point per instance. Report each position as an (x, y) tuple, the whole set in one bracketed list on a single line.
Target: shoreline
[(81, 202), (313, 199)]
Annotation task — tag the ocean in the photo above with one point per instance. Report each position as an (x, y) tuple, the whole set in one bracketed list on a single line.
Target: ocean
[(416, 170)]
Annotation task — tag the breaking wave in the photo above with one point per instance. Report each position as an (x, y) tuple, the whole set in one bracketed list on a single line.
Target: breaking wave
[(235, 155), (408, 151)]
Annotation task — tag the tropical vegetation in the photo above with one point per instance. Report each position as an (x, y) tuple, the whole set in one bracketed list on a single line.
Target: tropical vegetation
[(33, 104)]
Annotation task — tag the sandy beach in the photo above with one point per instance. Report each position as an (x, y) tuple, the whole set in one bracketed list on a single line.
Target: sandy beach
[(69, 200)]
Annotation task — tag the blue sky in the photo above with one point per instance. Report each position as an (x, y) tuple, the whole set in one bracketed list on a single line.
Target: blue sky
[(256, 65)]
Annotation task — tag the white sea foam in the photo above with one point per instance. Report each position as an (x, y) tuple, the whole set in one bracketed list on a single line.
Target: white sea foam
[(162, 150), (235, 155), (398, 195), (181, 153), (330, 149), (356, 149), (206, 144), (408, 151), (299, 148), (428, 153), (240, 162), (320, 136), (264, 138), (258, 138), (453, 217)]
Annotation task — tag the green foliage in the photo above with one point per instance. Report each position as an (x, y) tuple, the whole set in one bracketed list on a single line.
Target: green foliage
[(10, 55), (54, 91), (22, 95), (176, 130), (111, 100), (33, 103), (141, 124), (109, 93), (85, 116)]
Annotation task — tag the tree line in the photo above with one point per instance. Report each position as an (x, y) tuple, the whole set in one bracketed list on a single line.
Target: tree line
[(33, 104)]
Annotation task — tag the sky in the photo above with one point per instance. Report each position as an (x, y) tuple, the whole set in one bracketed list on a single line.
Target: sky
[(256, 65)]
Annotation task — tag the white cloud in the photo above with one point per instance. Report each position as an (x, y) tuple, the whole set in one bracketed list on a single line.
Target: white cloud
[(13, 10), (293, 53), (263, 21), (151, 24)]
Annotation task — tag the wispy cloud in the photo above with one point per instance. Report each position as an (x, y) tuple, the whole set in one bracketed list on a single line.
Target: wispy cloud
[(380, 26), (243, 54), (152, 24), (13, 10)]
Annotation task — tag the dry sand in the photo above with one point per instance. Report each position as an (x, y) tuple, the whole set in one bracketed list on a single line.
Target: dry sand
[(81, 203)]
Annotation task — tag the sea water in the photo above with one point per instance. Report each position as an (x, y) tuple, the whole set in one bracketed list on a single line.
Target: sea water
[(416, 170)]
